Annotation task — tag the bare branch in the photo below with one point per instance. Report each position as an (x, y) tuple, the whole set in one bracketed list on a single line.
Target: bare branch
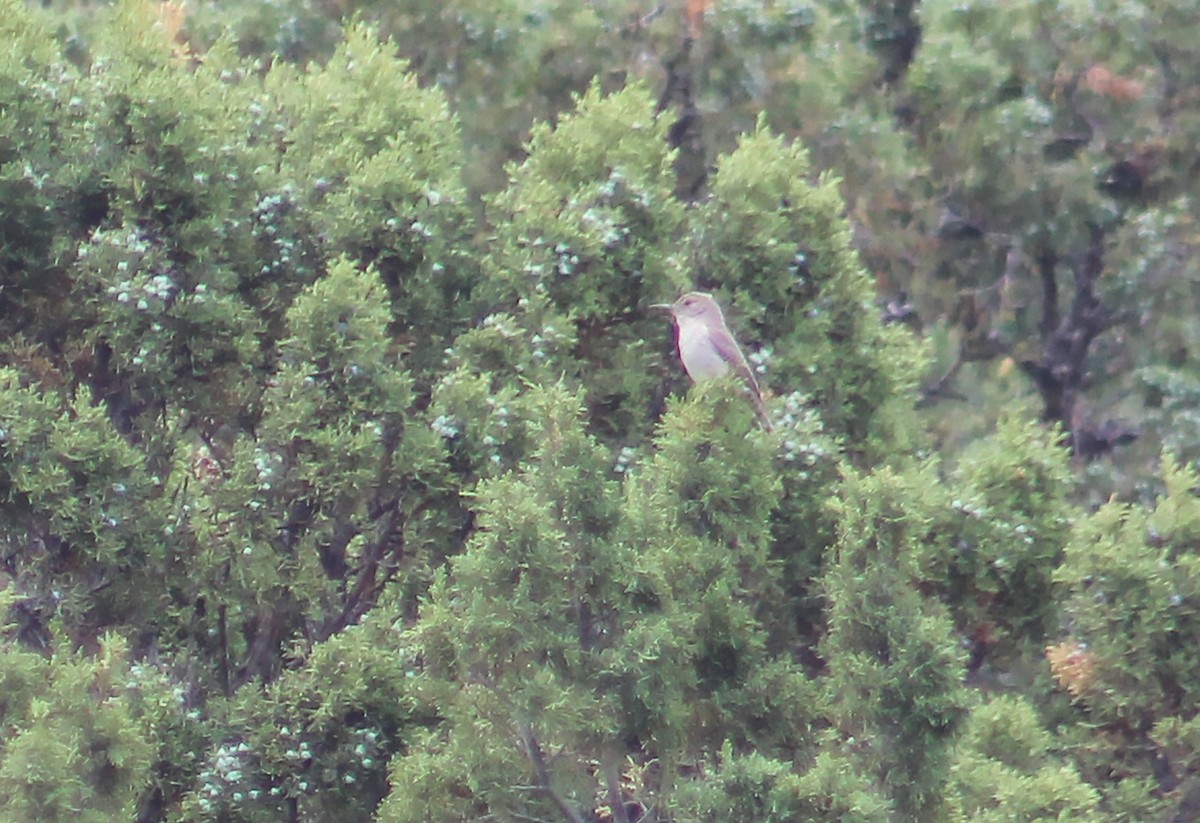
[(612, 777), (534, 752), (1060, 371)]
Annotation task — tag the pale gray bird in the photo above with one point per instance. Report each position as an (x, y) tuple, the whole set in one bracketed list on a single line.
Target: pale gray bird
[(706, 347)]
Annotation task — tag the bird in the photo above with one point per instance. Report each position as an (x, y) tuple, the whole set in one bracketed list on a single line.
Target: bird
[(707, 349)]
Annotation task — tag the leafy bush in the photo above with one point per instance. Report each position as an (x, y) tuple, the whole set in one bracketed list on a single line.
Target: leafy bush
[(334, 485)]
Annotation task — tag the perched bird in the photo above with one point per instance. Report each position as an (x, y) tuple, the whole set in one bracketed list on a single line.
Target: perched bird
[(706, 347)]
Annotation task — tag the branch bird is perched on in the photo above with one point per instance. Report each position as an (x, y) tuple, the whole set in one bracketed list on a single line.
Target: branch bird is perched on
[(706, 347)]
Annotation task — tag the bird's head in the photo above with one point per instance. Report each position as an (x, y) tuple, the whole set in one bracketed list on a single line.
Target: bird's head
[(695, 305)]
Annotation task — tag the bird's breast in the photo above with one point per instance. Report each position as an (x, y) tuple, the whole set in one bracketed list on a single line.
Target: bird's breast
[(700, 357)]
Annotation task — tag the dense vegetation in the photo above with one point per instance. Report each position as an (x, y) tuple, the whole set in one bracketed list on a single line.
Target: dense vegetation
[(346, 474)]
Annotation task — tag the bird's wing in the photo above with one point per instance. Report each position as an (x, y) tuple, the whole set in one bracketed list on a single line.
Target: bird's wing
[(731, 353)]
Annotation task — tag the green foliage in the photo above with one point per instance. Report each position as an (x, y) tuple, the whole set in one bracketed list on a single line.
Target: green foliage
[(382, 161), (588, 232), (757, 788), (83, 511), (583, 615), (318, 739), (589, 217), (342, 477), (1000, 529), (72, 749), (979, 147), (516, 639), (1047, 128), (980, 52), (1131, 574), (1124, 660), (292, 531), (895, 665), (776, 242), (1007, 770), (32, 179)]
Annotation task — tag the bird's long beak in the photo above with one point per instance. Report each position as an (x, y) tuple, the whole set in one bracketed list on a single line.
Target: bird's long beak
[(660, 306)]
